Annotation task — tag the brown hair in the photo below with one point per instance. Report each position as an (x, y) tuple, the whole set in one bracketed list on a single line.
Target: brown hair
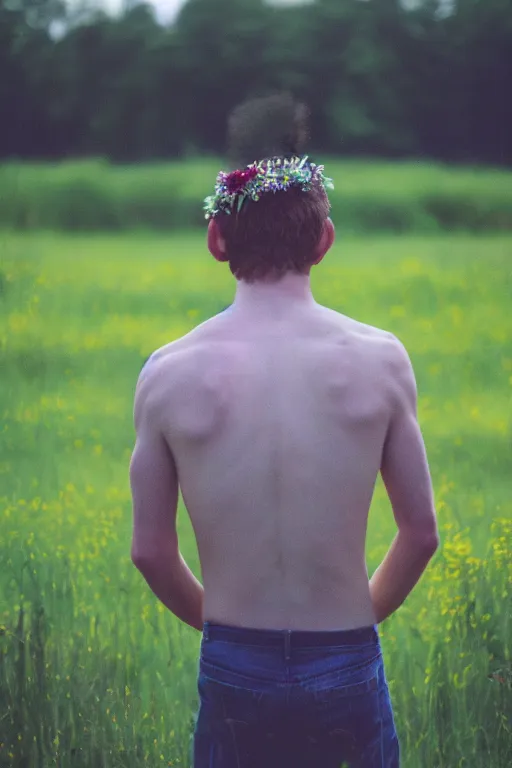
[(278, 233)]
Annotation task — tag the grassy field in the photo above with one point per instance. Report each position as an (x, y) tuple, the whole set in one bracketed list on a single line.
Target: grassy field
[(93, 672)]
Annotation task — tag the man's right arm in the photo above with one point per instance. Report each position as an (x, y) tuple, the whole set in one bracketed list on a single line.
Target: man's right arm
[(406, 475)]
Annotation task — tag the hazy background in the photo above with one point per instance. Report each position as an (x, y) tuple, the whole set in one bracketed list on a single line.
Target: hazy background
[(423, 80)]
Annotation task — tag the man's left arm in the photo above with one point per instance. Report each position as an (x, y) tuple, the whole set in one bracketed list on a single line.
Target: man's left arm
[(155, 488)]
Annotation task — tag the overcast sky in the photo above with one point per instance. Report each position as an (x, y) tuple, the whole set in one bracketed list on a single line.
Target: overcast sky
[(167, 9)]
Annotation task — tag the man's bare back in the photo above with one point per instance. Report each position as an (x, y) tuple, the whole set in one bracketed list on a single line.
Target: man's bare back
[(277, 430)]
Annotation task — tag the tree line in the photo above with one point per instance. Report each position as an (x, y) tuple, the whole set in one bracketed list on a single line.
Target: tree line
[(381, 79)]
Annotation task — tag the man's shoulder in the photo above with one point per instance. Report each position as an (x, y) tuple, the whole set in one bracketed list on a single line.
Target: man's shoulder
[(176, 351), (364, 332), (179, 363), (381, 349), (390, 359)]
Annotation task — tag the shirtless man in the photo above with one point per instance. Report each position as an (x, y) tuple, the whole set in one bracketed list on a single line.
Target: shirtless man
[(275, 418)]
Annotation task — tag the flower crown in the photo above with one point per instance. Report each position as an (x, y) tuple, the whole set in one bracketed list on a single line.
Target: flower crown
[(273, 175)]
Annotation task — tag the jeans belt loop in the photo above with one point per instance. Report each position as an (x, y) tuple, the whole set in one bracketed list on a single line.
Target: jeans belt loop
[(287, 645), (206, 633)]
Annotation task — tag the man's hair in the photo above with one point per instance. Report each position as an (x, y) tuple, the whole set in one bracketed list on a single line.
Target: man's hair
[(279, 232)]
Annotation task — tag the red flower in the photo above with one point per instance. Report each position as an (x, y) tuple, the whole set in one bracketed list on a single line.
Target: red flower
[(237, 180)]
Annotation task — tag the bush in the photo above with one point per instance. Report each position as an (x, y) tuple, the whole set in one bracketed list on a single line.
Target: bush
[(368, 196)]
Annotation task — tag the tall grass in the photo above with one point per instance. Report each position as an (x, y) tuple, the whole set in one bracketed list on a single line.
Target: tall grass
[(93, 671), (82, 690), (368, 196)]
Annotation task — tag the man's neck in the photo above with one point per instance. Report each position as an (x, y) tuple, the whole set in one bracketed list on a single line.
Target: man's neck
[(262, 299)]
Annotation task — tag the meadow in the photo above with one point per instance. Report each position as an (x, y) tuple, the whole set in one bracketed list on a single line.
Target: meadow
[(93, 671)]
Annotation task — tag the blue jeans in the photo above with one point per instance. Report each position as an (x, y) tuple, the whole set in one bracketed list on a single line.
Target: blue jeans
[(293, 699)]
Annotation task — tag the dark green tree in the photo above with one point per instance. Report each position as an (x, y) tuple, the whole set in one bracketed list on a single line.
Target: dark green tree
[(381, 77)]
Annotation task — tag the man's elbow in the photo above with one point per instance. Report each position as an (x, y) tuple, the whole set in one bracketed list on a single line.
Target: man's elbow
[(151, 559), (139, 558), (432, 543), (423, 541), (143, 559)]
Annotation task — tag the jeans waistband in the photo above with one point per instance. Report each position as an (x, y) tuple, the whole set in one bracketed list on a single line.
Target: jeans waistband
[(290, 637)]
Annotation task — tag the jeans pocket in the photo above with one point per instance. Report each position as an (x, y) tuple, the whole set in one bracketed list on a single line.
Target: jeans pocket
[(360, 676), (219, 677), (344, 708), (240, 666)]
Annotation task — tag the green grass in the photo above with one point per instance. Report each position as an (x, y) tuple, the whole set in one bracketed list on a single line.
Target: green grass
[(93, 671), (368, 196)]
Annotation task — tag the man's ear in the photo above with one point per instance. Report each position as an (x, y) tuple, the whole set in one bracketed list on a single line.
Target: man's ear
[(216, 243), (326, 240)]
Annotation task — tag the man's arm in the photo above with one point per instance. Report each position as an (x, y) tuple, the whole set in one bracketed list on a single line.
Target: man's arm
[(155, 488), (406, 475)]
